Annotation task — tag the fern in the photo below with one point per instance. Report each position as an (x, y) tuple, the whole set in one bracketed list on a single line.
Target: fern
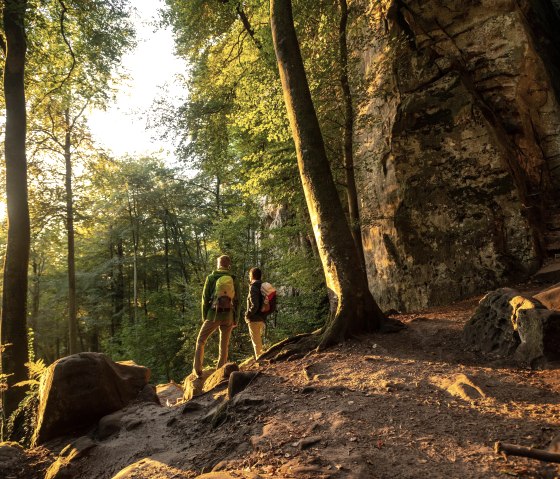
[(21, 424)]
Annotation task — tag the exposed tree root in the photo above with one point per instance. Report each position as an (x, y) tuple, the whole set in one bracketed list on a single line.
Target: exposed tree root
[(299, 344), (513, 450), (391, 325)]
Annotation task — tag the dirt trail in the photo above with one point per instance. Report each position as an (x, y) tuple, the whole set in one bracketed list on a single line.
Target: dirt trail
[(409, 405)]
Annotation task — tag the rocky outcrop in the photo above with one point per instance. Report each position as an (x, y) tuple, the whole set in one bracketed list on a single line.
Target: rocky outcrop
[(12, 460), (458, 159), (194, 386), (76, 391), (550, 297), (510, 325)]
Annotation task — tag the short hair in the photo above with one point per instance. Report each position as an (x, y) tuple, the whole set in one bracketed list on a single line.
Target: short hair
[(224, 261), (255, 273)]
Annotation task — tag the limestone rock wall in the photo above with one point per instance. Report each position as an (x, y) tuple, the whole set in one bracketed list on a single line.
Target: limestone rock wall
[(458, 143)]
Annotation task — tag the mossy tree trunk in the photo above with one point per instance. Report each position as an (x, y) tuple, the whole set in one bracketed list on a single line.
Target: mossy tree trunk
[(356, 312), (13, 330)]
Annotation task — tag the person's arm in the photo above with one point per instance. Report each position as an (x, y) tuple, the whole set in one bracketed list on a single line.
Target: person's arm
[(254, 300), (206, 297)]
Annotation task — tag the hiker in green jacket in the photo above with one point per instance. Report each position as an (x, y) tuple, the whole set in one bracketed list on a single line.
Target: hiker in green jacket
[(220, 303)]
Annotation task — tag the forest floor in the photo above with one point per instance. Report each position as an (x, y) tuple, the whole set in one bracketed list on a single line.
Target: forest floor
[(410, 405)]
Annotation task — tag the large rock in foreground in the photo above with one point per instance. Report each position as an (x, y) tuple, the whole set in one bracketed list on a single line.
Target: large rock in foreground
[(78, 390), (510, 325)]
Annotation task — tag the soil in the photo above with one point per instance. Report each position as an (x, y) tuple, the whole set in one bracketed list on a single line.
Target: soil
[(409, 405)]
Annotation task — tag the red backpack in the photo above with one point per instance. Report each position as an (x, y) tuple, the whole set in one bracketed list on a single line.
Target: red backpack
[(268, 293)]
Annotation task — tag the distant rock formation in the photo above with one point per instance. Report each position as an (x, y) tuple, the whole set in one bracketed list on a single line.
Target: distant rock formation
[(458, 144)]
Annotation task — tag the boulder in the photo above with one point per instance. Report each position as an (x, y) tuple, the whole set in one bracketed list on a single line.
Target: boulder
[(210, 379), (510, 325), (491, 328), (12, 459), (149, 468), (193, 385), (78, 390), (539, 333), (148, 394), (550, 297), (238, 381), (220, 376)]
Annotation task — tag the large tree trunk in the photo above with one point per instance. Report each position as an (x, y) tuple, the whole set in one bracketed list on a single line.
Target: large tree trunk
[(348, 151), (14, 300), (356, 312), (72, 310)]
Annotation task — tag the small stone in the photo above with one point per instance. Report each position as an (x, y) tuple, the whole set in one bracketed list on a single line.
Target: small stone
[(309, 441)]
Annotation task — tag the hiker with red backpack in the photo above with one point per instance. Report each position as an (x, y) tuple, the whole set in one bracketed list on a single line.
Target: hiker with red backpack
[(261, 301), (220, 301)]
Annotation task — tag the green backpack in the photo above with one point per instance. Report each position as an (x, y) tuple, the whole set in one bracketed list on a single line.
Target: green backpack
[(224, 293)]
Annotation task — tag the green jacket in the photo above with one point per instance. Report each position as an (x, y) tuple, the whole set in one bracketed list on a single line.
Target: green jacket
[(208, 295)]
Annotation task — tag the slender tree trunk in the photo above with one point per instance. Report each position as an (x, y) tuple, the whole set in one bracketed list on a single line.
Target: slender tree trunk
[(37, 266), (134, 279), (135, 241), (356, 312), (71, 257), (13, 328), (119, 286), (348, 150), (166, 252), (218, 199), (94, 341), (144, 283)]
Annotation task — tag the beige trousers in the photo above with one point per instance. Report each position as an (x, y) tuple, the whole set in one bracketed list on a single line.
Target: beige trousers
[(208, 327), (256, 329)]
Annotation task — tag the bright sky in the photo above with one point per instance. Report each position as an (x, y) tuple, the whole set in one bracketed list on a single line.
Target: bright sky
[(151, 67)]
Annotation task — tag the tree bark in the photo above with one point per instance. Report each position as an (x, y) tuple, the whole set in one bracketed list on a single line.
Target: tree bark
[(348, 149), (356, 312), (71, 257), (13, 330)]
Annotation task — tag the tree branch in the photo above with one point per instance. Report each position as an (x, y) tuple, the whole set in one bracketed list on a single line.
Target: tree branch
[(246, 23), (533, 453)]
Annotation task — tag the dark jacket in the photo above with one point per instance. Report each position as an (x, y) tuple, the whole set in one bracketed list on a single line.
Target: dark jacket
[(254, 302), (208, 295)]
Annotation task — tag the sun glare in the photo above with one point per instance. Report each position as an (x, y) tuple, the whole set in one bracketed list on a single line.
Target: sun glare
[(3, 211)]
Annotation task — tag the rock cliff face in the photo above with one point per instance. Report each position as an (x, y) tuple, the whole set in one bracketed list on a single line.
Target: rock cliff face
[(458, 136)]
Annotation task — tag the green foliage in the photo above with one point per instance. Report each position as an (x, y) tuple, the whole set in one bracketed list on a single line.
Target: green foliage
[(147, 234), (22, 421)]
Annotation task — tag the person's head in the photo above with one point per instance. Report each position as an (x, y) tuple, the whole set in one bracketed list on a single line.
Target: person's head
[(224, 262), (255, 274)]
